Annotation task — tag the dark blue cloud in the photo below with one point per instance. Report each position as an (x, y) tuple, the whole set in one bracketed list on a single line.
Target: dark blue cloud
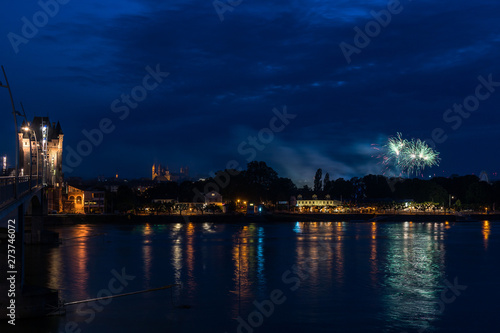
[(226, 78)]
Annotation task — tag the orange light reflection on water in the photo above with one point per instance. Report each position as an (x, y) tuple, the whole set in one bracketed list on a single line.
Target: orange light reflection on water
[(80, 261), (147, 253), (486, 233), (373, 254), (190, 255)]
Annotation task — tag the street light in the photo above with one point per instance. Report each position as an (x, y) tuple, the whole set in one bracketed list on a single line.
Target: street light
[(449, 200), (27, 129), (31, 132)]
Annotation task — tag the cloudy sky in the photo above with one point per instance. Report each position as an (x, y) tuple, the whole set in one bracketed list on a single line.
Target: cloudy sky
[(313, 83)]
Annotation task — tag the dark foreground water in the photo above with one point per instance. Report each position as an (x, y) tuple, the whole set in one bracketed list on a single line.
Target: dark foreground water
[(286, 277)]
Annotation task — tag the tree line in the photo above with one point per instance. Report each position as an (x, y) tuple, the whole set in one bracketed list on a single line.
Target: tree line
[(259, 183)]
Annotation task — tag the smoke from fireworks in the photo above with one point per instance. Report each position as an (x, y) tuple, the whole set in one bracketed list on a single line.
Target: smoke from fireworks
[(411, 156)]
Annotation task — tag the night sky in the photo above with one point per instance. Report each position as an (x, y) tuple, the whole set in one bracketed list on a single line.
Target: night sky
[(230, 67)]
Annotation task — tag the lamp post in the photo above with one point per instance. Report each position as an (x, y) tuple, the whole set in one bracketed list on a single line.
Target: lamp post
[(15, 113), (45, 161), (27, 129), (31, 132), (449, 200)]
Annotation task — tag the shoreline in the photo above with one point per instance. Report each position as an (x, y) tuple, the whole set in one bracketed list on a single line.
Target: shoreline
[(268, 218)]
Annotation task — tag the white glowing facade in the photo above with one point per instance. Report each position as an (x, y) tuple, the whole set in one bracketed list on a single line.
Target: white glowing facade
[(46, 142)]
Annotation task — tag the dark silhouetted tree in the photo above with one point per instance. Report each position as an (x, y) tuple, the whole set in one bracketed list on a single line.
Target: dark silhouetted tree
[(282, 189), (327, 184), (317, 181), (258, 180)]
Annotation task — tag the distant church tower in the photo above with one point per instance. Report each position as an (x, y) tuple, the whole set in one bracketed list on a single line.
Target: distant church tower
[(160, 173)]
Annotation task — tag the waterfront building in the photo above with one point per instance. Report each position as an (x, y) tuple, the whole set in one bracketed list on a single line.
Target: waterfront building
[(74, 201), (315, 204), (213, 197), (78, 201), (94, 202)]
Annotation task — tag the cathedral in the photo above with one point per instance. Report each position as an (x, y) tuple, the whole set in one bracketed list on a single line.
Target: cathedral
[(162, 174)]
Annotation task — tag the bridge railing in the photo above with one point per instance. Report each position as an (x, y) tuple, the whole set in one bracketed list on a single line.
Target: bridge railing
[(7, 187)]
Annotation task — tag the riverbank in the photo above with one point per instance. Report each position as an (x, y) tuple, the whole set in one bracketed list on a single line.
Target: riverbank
[(276, 217)]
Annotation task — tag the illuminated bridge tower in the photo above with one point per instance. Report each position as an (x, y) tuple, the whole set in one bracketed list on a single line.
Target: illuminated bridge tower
[(46, 156)]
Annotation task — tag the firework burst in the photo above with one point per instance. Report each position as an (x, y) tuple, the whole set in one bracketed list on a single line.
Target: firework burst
[(411, 156)]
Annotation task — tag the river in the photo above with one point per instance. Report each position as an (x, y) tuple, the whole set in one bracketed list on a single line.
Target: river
[(279, 277)]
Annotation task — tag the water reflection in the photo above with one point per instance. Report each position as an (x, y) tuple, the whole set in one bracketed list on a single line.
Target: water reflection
[(260, 258), (80, 259), (373, 255), (147, 254), (315, 254), (486, 233), (176, 252), (339, 255), (190, 258), (249, 273), (379, 277), (415, 269), (183, 255), (72, 264)]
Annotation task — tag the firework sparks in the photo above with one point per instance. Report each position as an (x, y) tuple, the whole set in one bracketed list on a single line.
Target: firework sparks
[(411, 156)]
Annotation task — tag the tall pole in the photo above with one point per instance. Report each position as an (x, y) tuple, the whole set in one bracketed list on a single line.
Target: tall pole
[(37, 159), (31, 147), (14, 112), (44, 153)]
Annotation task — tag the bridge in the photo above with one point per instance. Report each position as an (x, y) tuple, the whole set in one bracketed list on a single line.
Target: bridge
[(22, 195), (27, 194), (27, 198), (19, 197)]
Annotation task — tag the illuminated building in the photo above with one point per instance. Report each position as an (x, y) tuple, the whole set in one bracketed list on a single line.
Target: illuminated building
[(45, 140), (83, 202), (75, 200), (4, 165), (94, 202), (48, 138), (160, 173), (315, 203), (213, 198)]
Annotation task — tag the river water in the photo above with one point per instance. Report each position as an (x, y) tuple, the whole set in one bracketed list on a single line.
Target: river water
[(280, 277)]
